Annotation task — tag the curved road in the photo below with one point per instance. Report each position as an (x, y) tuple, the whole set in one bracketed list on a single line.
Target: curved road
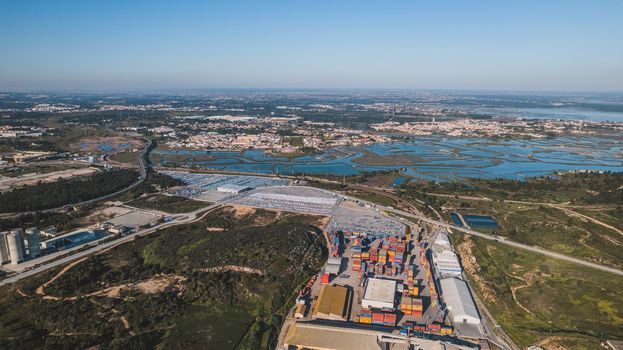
[(502, 240), (142, 168), (178, 220)]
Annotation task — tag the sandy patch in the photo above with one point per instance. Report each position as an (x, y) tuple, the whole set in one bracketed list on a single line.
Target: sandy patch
[(159, 284), (242, 211), (8, 183)]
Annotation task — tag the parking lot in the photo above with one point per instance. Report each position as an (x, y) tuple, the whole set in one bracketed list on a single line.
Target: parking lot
[(212, 181), (365, 220), (290, 198)]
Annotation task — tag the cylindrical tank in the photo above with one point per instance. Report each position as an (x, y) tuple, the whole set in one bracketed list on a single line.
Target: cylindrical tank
[(16, 246), (32, 236)]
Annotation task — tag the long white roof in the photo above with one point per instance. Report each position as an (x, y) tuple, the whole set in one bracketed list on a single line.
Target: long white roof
[(458, 298)]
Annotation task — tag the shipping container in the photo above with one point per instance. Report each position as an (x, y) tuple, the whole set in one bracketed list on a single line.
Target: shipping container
[(434, 328), (389, 319), (366, 320), (445, 330), (326, 278)]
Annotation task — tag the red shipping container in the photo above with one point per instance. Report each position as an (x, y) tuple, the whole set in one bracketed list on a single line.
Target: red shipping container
[(434, 327), (326, 278), (419, 328), (377, 316), (389, 318)]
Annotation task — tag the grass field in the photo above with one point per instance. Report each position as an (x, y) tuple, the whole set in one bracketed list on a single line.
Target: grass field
[(537, 299), (550, 228), (162, 290), (168, 204)]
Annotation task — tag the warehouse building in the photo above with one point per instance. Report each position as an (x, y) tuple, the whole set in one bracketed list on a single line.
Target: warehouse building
[(447, 263), (303, 335), (231, 188), (459, 301), (333, 303), (442, 241), (380, 294)]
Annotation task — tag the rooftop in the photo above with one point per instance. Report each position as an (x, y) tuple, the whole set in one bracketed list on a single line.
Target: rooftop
[(380, 290), (332, 303)]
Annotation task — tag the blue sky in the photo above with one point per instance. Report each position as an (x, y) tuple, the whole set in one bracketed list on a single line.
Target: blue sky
[(510, 45)]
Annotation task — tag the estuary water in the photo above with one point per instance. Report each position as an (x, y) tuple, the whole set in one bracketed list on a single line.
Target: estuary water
[(430, 158)]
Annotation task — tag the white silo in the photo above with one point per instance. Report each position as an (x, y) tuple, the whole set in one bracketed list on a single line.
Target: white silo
[(32, 236), (16, 246)]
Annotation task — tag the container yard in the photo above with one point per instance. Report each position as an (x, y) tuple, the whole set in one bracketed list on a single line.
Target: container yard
[(406, 284), (365, 222)]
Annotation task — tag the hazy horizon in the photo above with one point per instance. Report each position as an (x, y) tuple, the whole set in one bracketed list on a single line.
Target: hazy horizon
[(529, 46)]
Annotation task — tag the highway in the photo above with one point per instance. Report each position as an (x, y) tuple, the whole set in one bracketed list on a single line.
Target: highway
[(505, 241), (178, 220), (142, 168)]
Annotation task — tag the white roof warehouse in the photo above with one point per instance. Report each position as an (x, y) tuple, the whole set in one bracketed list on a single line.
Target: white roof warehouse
[(459, 301)]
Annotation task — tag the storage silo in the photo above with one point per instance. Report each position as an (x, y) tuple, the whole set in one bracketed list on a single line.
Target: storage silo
[(32, 236), (16, 246)]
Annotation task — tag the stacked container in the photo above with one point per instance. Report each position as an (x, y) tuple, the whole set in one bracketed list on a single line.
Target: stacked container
[(374, 255), (446, 330), (378, 318), (411, 306), (356, 264), (389, 319), (382, 256), (434, 328), (335, 245), (365, 316)]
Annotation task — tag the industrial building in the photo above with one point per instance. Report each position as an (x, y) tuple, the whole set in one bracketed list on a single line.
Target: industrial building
[(380, 294), (333, 303), (72, 239), (459, 301), (447, 263), (231, 188), (15, 246), (305, 335), (442, 241)]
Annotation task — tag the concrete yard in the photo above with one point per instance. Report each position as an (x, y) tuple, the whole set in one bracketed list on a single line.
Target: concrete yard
[(136, 218)]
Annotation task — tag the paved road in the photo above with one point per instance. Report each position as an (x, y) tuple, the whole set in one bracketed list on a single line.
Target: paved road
[(141, 155), (179, 220), (507, 242)]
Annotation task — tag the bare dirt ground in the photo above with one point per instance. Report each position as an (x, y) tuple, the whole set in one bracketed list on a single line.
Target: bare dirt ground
[(233, 268), (9, 183), (91, 144), (471, 266), (242, 211)]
